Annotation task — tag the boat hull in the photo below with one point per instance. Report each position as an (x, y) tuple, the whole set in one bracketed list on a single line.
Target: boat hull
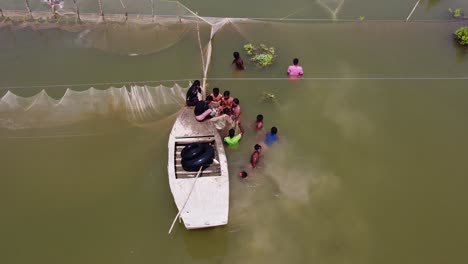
[(204, 200)]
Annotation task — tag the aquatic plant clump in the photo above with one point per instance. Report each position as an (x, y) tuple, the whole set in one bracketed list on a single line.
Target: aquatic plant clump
[(461, 35), (267, 98), (457, 13), (261, 55)]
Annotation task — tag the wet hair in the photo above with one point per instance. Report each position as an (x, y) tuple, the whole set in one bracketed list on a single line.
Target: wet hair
[(236, 101), (216, 91), (296, 61), (195, 84), (243, 174), (260, 117), (227, 93), (226, 111), (231, 132), (274, 130), (236, 55), (209, 98), (257, 147)]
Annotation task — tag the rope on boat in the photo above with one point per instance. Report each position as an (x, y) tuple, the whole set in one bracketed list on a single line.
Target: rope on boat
[(188, 197)]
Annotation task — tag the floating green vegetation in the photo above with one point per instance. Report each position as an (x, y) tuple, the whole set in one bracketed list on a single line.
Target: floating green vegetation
[(261, 54), (361, 18), (461, 35), (267, 98), (457, 13)]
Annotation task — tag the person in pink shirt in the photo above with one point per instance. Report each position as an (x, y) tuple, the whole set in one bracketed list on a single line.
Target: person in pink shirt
[(295, 70)]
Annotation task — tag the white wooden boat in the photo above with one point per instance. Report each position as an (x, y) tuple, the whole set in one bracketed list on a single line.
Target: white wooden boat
[(207, 204)]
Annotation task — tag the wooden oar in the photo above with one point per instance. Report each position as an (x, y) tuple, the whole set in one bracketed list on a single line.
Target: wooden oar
[(188, 196)]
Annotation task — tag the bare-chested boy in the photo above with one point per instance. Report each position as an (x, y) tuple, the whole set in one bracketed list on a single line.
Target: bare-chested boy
[(217, 97), (255, 157)]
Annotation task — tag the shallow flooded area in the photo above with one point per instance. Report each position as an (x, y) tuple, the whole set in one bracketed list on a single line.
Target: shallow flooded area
[(370, 167)]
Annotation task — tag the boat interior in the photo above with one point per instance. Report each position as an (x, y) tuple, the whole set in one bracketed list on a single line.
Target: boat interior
[(212, 171)]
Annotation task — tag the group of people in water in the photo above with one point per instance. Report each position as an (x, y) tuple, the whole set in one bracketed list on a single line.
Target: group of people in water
[(224, 112)]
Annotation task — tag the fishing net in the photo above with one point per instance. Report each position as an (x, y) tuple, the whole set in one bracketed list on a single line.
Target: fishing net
[(134, 104), (141, 28)]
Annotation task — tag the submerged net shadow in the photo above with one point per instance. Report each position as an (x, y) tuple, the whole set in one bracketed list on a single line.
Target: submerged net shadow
[(142, 28), (136, 105), (134, 39)]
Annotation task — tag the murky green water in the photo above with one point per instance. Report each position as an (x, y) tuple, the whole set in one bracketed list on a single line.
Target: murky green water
[(370, 168)]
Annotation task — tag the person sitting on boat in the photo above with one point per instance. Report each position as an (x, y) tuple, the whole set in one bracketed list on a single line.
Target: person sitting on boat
[(259, 122), (236, 109), (217, 97), (202, 109), (233, 140), (295, 70), (223, 123), (255, 157), (192, 93), (271, 137), (238, 61)]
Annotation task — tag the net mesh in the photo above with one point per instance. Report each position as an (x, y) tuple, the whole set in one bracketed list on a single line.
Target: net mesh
[(108, 25), (134, 104)]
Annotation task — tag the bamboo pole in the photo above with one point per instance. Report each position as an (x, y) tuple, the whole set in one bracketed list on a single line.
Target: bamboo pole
[(100, 8), (28, 7), (152, 10), (78, 19), (125, 9)]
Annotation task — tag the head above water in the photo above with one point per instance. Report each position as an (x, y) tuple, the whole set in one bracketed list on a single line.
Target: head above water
[(236, 101), (274, 130), (236, 55), (259, 118), (227, 111), (226, 94), (243, 174), (296, 61), (209, 99), (232, 133), (216, 91), (257, 147)]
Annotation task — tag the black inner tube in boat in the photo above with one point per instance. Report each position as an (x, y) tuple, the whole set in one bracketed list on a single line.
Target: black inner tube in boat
[(192, 151), (204, 159)]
